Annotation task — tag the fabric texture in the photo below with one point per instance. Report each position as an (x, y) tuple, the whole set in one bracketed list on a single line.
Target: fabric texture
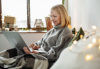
[(54, 41), (25, 61)]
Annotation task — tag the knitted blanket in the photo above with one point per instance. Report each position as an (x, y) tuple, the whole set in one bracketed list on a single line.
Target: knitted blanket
[(12, 59)]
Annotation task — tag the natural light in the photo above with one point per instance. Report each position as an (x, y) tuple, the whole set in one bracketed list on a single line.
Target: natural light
[(39, 9)]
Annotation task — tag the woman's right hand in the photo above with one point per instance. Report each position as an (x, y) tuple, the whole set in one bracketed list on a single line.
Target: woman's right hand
[(34, 46)]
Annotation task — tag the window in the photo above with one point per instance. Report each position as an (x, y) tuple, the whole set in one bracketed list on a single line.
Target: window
[(16, 8), (39, 9)]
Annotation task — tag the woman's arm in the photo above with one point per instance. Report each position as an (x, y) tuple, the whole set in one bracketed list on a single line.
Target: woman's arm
[(34, 46), (39, 43)]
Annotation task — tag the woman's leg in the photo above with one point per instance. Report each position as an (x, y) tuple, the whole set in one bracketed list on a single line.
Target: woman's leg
[(13, 52)]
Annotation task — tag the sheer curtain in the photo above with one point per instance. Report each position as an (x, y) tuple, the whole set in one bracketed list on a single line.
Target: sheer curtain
[(16, 8), (39, 9)]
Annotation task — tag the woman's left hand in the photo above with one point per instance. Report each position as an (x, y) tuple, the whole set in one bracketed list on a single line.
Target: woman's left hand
[(26, 50), (35, 52)]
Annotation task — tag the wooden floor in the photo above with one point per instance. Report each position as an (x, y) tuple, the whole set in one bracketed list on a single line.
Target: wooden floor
[(28, 38)]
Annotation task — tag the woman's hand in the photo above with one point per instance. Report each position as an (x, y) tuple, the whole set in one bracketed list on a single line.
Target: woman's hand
[(27, 51), (34, 46)]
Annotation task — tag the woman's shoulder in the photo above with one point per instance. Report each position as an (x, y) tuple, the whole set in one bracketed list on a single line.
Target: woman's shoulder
[(66, 31)]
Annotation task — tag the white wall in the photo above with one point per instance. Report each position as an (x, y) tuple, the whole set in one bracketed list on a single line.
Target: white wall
[(84, 13)]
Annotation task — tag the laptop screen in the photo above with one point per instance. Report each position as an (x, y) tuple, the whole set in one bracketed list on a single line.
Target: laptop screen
[(14, 39)]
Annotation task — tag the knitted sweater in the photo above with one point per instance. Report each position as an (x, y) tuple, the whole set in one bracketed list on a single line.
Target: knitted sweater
[(54, 41)]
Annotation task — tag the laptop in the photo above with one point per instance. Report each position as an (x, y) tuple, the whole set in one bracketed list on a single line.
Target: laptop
[(15, 40)]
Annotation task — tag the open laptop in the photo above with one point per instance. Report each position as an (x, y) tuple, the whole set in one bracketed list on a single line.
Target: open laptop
[(15, 40)]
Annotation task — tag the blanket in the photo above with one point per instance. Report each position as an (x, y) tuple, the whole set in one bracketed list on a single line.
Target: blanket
[(13, 59)]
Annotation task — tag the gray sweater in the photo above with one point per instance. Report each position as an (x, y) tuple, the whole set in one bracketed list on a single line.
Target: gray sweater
[(54, 41)]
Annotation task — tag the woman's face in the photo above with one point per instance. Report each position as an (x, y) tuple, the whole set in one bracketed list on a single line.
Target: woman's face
[(55, 18)]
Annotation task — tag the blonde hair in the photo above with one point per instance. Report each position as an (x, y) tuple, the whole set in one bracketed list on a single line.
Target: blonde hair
[(63, 13)]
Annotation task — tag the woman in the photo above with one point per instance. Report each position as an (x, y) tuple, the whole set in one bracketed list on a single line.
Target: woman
[(55, 40)]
